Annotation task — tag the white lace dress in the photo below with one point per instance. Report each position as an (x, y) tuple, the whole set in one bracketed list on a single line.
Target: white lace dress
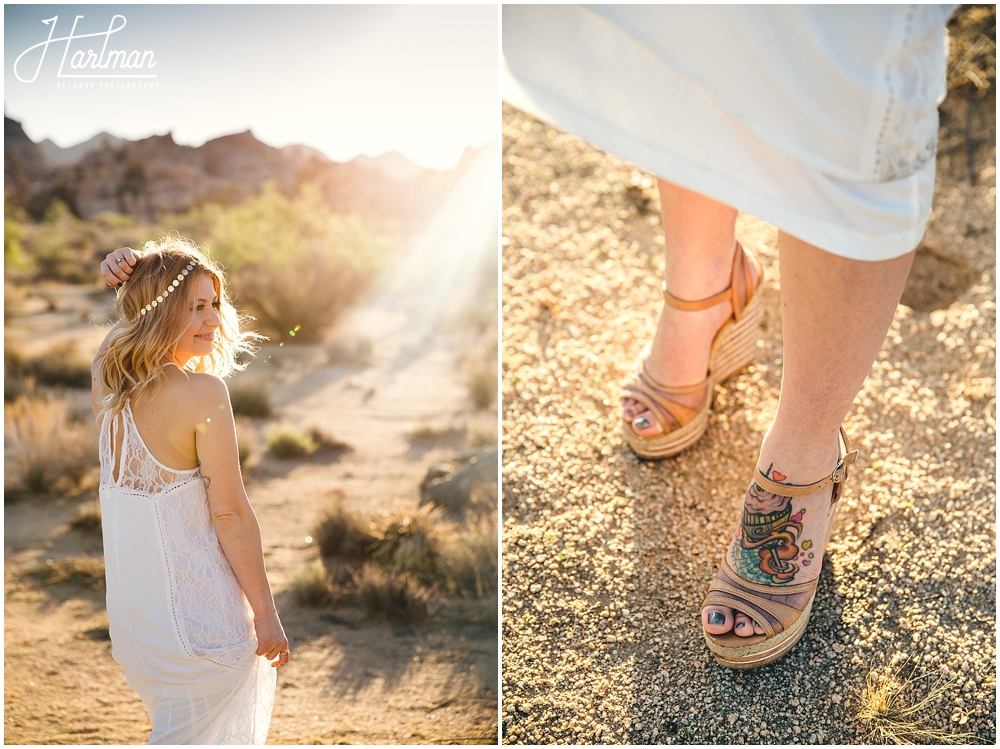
[(820, 119), (181, 628)]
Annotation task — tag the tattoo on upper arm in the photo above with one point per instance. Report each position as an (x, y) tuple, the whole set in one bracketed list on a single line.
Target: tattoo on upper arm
[(207, 480)]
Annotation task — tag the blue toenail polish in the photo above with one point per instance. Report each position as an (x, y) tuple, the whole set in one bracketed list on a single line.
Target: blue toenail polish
[(641, 423), (741, 625), (715, 617)]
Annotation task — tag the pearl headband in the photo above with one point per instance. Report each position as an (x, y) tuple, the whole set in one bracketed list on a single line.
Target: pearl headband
[(173, 285)]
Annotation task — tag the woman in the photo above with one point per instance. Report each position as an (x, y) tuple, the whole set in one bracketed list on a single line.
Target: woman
[(189, 608), (821, 120)]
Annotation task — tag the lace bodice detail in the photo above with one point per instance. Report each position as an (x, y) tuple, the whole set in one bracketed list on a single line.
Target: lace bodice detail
[(139, 472), (211, 614)]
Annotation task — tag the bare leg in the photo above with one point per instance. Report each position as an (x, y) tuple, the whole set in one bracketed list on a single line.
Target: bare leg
[(835, 314), (699, 242)]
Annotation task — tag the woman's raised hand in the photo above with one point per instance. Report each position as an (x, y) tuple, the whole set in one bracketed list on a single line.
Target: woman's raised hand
[(271, 640), (117, 266)]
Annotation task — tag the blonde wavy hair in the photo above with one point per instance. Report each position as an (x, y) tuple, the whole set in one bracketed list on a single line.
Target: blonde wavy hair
[(139, 350)]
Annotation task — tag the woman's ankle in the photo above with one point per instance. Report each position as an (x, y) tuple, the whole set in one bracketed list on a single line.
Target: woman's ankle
[(796, 458)]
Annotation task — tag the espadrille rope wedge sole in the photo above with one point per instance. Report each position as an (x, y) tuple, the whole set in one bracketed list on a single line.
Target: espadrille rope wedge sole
[(733, 348), (771, 606)]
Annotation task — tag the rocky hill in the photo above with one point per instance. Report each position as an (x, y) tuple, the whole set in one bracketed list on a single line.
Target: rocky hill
[(156, 176)]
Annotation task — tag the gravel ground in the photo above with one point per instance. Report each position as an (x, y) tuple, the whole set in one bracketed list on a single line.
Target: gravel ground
[(606, 558)]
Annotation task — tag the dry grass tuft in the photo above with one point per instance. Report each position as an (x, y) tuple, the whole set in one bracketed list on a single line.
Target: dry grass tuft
[(478, 435), (893, 714), (246, 440), (410, 541), (88, 518), (326, 442), (431, 432), (313, 587), (87, 571), (481, 382), (350, 353), (341, 534), (470, 558), (285, 442), (63, 365), (396, 597), (250, 398), (44, 446)]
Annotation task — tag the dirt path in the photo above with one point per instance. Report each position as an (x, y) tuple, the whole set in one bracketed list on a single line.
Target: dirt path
[(351, 681), (606, 558)]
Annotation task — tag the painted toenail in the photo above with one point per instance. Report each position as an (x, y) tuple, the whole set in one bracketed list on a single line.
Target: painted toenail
[(642, 423), (715, 617), (741, 625)]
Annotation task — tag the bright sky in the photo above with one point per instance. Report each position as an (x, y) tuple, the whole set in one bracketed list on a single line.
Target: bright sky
[(346, 79)]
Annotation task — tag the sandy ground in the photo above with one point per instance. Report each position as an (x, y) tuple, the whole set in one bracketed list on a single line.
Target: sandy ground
[(351, 681), (606, 558)]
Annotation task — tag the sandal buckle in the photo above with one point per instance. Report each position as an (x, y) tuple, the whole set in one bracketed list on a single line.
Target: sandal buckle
[(839, 473)]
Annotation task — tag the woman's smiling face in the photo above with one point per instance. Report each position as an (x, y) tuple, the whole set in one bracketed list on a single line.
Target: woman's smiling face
[(198, 338)]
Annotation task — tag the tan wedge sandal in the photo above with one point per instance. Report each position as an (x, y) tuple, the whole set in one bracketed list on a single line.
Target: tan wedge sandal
[(771, 606), (733, 348)]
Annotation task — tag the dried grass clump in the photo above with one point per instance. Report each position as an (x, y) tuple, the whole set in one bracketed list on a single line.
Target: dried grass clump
[(892, 712), (478, 436), (250, 398), (470, 559), (286, 442), (312, 587), (341, 534), (353, 353), (88, 518), (972, 58), (326, 442), (395, 597), (246, 440), (45, 446), (86, 571), (481, 382), (431, 433), (410, 541), (60, 366)]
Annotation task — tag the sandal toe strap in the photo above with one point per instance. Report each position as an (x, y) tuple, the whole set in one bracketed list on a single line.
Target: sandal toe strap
[(656, 397), (771, 614)]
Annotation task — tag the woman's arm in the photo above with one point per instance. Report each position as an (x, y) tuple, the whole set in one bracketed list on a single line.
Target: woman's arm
[(233, 518)]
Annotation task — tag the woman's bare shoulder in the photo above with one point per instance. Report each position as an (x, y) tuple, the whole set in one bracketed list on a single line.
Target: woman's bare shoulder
[(194, 393)]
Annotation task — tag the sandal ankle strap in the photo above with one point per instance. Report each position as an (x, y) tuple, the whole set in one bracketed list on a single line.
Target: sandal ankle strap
[(738, 291), (847, 457)]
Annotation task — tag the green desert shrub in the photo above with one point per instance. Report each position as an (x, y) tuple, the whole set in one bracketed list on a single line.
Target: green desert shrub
[(294, 264), (395, 597), (45, 446)]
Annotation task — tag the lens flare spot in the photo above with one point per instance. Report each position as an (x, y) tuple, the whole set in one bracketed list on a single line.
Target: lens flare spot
[(298, 328)]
